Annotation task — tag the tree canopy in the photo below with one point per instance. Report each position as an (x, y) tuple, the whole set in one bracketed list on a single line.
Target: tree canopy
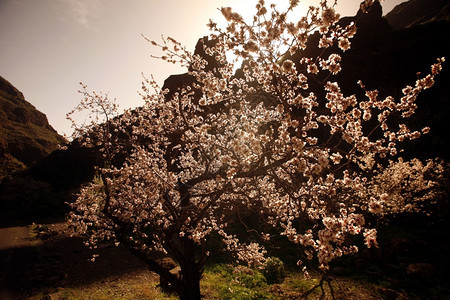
[(308, 163)]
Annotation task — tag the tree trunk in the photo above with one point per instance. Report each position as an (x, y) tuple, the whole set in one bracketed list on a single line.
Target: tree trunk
[(190, 281)]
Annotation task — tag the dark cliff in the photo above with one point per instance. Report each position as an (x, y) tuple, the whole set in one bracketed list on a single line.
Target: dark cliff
[(388, 59), (418, 12)]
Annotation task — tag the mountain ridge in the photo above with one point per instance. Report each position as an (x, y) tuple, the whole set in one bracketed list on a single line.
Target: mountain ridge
[(26, 136), (418, 12)]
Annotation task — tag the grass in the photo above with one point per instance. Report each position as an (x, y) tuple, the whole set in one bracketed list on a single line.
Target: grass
[(140, 285), (225, 281), (220, 281), (117, 275)]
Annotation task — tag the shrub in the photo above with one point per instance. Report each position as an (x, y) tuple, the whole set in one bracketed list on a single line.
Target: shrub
[(274, 270), (242, 283)]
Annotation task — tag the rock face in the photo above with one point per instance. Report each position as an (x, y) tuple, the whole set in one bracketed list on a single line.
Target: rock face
[(25, 134), (417, 12), (388, 59)]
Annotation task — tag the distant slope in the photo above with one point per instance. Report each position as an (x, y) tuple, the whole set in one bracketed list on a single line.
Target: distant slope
[(417, 12), (26, 137)]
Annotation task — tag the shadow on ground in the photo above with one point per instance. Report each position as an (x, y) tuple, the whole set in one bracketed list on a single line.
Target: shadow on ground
[(60, 261)]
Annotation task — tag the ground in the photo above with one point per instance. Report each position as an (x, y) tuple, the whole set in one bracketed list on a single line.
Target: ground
[(44, 262), (40, 260)]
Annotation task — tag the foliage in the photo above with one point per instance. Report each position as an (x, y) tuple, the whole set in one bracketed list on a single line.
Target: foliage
[(273, 270), (239, 282), (9, 165), (25, 197), (176, 170)]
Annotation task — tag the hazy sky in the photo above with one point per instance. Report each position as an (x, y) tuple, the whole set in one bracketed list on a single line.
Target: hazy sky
[(48, 46)]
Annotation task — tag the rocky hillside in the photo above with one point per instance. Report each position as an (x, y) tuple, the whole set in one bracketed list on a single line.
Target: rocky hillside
[(26, 137), (418, 12), (388, 59)]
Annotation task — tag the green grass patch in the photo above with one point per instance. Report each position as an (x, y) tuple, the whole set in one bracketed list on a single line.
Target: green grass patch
[(226, 281)]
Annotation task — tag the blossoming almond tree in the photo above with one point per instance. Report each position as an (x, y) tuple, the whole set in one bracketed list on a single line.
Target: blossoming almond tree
[(176, 169)]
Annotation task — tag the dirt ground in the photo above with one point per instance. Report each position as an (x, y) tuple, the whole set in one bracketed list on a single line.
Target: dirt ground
[(44, 262), (36, 262), (14, 242)]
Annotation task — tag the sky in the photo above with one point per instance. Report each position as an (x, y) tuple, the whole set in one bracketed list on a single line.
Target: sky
[(48, 46)]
